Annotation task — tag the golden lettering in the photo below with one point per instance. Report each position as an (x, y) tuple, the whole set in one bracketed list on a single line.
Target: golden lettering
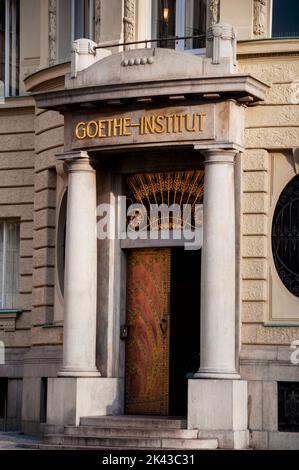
[(188, 124), (160, 124), (117, 124), (92, 125), (109, 127), (153, 124), (169, 119), (127, 123), (81, 130), (102, 129), (149, 125), (201, 121), (175, 123), (141, 125)]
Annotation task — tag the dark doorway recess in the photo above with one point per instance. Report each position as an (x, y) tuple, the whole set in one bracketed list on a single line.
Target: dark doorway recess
[(184, 325), (3, 397)]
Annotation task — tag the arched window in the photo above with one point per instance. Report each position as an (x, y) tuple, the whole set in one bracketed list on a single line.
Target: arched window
[(285, 236)]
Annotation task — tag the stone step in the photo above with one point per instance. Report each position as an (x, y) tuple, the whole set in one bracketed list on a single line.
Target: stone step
[(128, 421), (130, 432), (130, 443), (51, 429), (71, 447)]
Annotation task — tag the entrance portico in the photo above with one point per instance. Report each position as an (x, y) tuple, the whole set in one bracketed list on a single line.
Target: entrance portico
[(140, 96)]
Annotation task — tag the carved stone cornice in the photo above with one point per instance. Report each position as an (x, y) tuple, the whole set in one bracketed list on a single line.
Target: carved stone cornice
[(8, 319), (52, 31), (259, 17), (129, 20)]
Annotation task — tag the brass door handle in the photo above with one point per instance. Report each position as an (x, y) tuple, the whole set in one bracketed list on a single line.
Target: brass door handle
[(163, 325)]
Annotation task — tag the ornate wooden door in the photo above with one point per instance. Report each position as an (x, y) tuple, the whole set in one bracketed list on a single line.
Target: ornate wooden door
[(147, 349)]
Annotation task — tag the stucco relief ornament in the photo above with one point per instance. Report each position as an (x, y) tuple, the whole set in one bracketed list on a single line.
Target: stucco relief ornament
[(259, 17), (97, 26), (52, 31), (214, 11), (129, 20)]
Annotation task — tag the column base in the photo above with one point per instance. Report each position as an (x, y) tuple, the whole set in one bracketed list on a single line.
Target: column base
[(70, 399), (79, 373), (216, 374), (218, 408)]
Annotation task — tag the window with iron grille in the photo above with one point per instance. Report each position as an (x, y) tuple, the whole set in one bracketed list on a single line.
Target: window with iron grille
[(288, 406), (285, 236)]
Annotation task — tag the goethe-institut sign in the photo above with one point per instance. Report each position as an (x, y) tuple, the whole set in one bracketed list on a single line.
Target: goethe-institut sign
[(176, 123), (148, 126)]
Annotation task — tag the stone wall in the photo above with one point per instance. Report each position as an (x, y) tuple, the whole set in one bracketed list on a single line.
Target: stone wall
[(44, 357), (48, 141), (16, 201), (271, 134)]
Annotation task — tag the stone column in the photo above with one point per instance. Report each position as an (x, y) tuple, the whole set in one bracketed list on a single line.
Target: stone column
[(217, 338), (217, 404), (79, 390), (80, 286)]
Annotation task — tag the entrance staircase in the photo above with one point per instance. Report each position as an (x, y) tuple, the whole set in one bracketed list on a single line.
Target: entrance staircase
[(129, 432)]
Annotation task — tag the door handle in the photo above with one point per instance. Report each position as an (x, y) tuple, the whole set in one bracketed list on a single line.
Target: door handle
[(163, 325)]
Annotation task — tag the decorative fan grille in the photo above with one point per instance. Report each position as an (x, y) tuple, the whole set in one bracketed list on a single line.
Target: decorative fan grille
[(285, 236), (179, 188)]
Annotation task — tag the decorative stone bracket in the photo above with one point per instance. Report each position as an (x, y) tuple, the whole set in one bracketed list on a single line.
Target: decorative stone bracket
[(8, 319), (222, 43), (84, 54)]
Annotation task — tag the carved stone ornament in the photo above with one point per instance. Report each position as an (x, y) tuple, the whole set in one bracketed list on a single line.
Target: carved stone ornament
[(8, 320), (52, 31), (259, 17), (214, 8), (129, 20), (217, 36), (97, 26)]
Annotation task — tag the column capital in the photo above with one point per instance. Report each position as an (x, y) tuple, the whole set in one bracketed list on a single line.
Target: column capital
[(224, 156), (77, 161)]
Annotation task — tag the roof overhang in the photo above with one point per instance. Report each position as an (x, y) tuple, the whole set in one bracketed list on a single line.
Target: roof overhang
[(152, 74)]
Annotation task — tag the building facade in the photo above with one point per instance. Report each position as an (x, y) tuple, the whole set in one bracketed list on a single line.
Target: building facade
[(96, 126)]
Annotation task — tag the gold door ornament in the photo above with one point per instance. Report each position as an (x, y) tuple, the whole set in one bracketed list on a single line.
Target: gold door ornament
[(179, 188)]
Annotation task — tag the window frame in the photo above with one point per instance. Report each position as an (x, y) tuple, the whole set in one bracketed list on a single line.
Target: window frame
[(11, 77), (180, 17), (271, 12), (91, 10), (3, 303)]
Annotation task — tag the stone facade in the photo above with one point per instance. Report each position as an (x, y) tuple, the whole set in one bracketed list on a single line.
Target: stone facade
[(32, 184)]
